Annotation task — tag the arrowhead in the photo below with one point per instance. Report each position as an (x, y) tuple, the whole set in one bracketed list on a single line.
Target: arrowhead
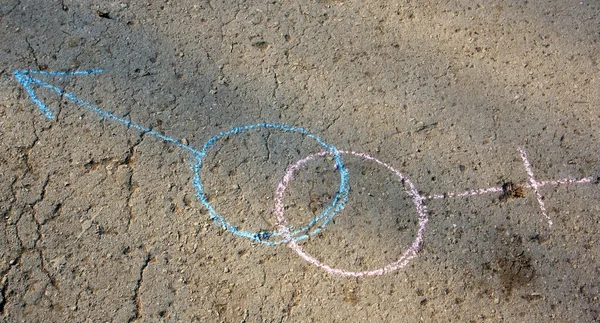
[(28, 82)]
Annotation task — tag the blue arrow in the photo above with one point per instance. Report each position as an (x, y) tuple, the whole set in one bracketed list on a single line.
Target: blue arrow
[(28, 80)]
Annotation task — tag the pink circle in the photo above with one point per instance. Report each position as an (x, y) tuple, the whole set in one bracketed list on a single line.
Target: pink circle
[(409, 254)]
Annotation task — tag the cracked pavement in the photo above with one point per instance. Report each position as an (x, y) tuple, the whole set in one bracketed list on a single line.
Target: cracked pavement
[(101, 222)]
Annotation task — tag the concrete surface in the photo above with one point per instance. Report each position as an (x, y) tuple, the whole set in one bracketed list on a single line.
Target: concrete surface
[(101, 222)]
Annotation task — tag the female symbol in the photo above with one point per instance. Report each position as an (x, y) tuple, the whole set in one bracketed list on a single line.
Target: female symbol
[(410, 253), (265, 236)]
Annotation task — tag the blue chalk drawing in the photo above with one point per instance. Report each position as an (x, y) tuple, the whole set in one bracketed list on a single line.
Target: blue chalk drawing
[(23, 76), (29, 79), (335, 207)]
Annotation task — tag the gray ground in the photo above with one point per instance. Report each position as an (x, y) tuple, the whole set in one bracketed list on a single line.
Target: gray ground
[(101, 223)]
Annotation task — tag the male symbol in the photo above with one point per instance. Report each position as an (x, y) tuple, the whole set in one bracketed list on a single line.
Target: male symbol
[(29, 79)]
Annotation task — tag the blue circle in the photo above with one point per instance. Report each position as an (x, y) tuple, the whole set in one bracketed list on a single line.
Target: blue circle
[(266, 237)]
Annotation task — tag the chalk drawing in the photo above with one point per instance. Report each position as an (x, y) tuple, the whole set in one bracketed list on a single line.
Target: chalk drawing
[(410, 253), (274, 237), (533, 184), (282, 234), (412, 250), (28, 79)]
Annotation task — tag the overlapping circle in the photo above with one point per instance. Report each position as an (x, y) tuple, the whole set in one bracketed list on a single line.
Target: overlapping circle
[(274, 237), (292, 236), (410, 253)]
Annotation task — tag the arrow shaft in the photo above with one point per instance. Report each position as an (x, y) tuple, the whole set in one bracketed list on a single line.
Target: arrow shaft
[(27, 81), (60, 73)]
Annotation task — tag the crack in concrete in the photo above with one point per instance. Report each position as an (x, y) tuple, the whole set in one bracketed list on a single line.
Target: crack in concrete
[(31, 206), (3, 300), (136, 292), (52, 280), (35, 59), (34, 213), (4, 281), (274, 94), (12, 200), (129, 160), (61, 103), (268, 146), (24, 154), (23, 249), (287, 311), (21, 243)]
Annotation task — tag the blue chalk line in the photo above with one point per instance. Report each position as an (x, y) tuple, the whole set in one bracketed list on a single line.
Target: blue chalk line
[(23, 76), (263, 237), (26, 79)]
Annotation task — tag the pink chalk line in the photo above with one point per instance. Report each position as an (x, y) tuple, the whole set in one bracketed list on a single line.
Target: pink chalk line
[(410, 253), (533, 183), (499, 189), (466, 193), (418, 199)]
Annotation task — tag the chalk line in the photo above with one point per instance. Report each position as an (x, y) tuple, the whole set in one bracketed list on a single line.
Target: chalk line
[(401, 262), (28, 79), (534, 184), (499, 189), (274, 237), (29, 82)]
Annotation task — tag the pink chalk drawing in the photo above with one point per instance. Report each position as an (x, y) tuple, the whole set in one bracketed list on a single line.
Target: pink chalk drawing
[(410, 253), (418, 200)]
